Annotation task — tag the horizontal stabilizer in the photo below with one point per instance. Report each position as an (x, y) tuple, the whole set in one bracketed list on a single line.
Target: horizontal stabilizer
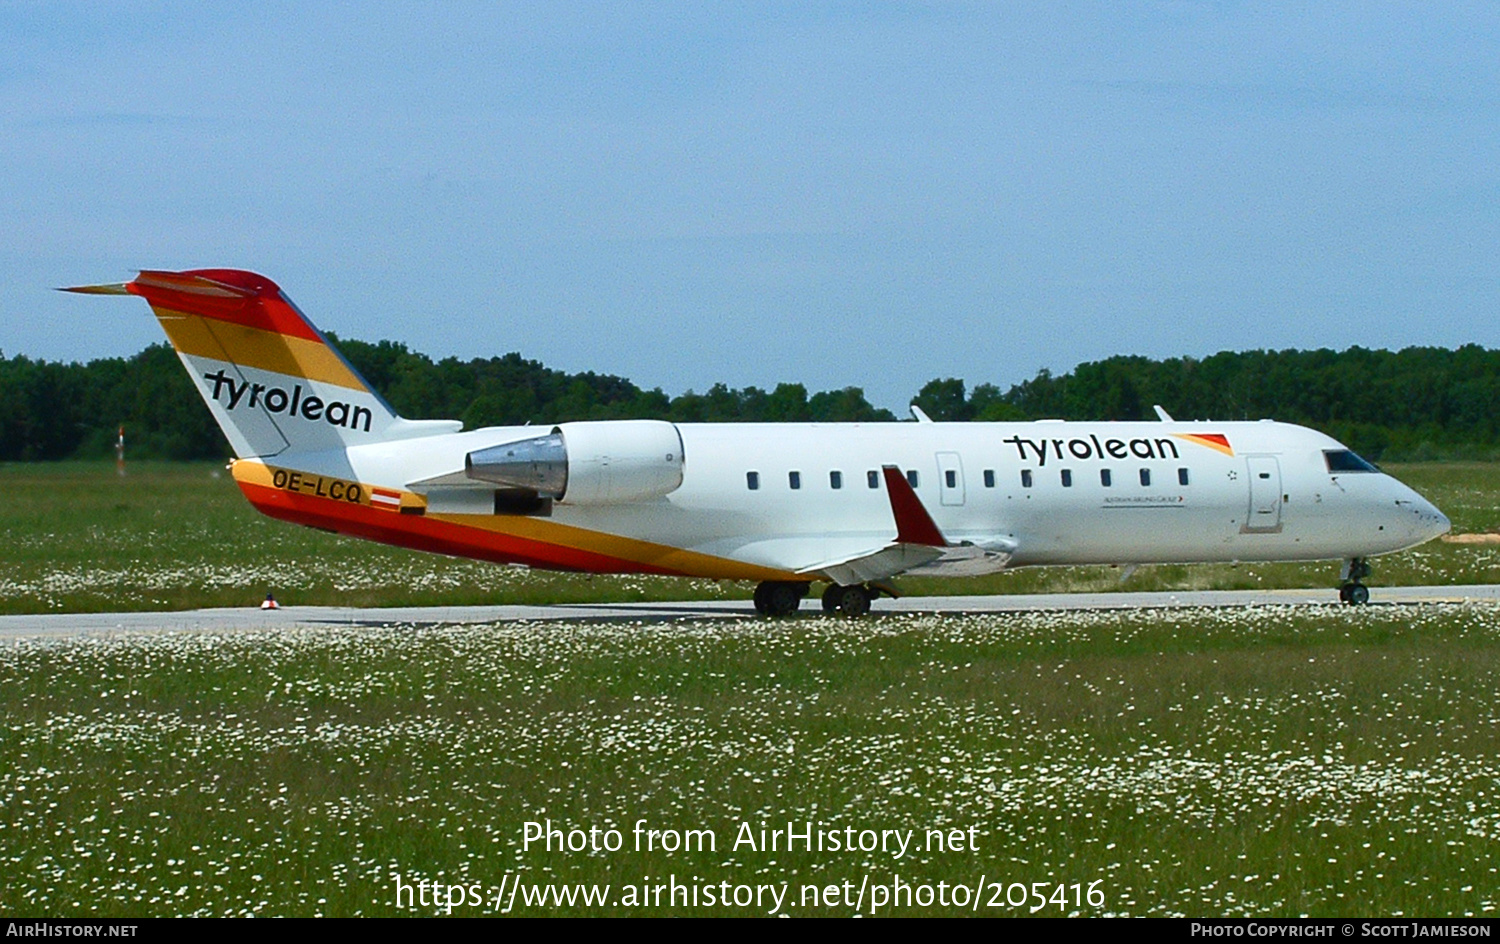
[(192, 285), (114, 288)]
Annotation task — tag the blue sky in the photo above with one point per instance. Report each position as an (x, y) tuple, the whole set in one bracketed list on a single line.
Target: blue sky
[(866, 194)]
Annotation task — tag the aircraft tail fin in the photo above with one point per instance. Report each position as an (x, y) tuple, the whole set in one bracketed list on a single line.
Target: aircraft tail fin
[(273, 382)]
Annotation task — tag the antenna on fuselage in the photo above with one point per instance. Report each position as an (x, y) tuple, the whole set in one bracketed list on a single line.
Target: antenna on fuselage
[(1161, 414)]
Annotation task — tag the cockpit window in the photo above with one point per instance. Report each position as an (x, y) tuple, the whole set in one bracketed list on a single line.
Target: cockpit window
[(1343, 460)]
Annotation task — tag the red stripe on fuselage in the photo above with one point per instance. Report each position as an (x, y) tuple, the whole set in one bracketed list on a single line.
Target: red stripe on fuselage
[(422, 533)]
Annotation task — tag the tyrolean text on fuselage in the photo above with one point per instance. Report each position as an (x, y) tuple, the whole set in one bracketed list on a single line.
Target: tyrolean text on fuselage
[(1092, 447)]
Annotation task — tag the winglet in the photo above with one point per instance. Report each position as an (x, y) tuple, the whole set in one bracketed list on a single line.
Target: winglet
[(913, 524)]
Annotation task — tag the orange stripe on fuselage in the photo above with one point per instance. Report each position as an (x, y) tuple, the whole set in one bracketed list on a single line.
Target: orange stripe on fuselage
[(662, 558), (430, 534), (509, 539), (254, 347)]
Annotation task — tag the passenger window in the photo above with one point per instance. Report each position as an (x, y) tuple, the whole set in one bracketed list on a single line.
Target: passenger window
[(794, 479), (873, 478), (752, 480), (835, 479), (951, 477), (1104, 477), (1182, 477), (1067, 478), (1145, 476), (989, 478), (911, 476), (1025, 478)]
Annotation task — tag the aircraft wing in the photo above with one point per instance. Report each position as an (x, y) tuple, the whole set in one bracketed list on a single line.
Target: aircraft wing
[(966, 559), (876, 564), (919, 546)]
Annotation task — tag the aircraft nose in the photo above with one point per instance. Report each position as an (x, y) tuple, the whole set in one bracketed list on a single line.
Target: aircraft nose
[(1430, 522), (1440, 524)]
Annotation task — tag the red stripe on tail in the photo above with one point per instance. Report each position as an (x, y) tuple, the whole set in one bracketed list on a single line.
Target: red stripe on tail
[(232, 295)]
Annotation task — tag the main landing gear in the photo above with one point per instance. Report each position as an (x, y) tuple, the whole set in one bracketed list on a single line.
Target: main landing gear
[(847, 601), (784, 597), (779, 597), (1351, 591)]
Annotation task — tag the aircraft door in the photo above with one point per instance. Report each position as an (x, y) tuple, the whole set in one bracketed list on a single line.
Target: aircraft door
[(1265, 494), (950, 478)]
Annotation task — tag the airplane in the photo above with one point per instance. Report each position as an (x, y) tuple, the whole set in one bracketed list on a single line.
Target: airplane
[(847, 505)]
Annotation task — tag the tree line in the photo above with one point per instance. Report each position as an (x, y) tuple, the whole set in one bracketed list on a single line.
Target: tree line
[(1411, 404)]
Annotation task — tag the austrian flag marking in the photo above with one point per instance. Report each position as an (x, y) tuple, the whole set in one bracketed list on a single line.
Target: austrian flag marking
[(1215, 441), (385, 498)]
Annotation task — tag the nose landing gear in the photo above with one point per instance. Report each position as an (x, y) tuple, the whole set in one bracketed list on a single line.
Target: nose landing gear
[(1351, 591)]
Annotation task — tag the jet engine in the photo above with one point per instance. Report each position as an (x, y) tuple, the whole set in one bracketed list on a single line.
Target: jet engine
[(600, 463)]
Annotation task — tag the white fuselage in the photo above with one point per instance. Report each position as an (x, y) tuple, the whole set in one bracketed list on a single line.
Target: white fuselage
[(1045, 492)]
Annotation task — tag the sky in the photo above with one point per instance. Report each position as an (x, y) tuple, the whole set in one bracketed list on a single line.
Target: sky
[(833, 194)]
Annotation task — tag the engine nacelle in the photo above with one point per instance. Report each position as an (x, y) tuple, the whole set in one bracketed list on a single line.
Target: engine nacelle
[(592, 463)]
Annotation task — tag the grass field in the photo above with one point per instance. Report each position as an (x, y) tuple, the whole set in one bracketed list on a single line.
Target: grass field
[(1274, 761), (78, 538)]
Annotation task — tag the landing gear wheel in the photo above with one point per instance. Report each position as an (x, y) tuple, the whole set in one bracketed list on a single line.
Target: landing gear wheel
[(853, 601), (1354, 594), (1351, 591), (778, 597), (763, 598), (831, 598)]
